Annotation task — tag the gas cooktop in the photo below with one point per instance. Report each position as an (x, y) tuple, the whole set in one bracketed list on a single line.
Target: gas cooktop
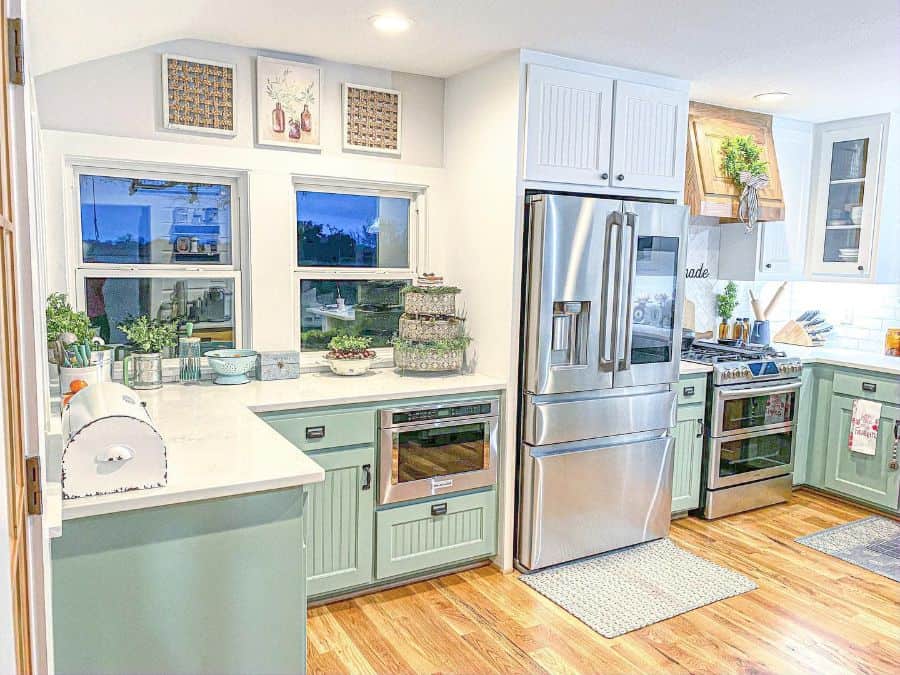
[(742, 363)]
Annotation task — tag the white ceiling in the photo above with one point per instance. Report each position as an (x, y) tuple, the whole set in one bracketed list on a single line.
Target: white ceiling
[(839, 58)]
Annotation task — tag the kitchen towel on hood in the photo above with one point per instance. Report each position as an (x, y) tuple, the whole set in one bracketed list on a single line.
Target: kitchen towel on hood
[(864, 426)]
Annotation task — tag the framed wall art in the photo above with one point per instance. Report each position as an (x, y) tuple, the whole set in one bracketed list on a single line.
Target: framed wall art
[(288, 104), (371, 119), (198, 95)]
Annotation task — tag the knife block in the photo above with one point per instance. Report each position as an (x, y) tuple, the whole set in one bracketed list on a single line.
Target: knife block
[(792, 333)]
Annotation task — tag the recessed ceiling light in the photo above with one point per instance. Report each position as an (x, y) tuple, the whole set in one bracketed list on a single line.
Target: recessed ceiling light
[(390, 23), (772, 96)]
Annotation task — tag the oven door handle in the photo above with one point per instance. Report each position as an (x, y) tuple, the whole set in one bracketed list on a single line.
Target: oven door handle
[(728, 394)]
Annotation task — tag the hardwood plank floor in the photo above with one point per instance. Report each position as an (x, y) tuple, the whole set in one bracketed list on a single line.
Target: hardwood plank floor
[(811, 614)]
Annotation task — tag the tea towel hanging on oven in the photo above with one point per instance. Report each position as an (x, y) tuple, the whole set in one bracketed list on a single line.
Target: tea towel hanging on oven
[(864, 426)]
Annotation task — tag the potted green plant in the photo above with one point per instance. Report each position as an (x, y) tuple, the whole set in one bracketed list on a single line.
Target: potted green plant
[(431, 355), (71, 345), (432, 301), (725, 304), (66, 324), (149, 338), (349, 354)]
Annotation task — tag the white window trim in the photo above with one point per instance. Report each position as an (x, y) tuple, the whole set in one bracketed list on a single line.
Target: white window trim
[(417, 256), (236, 270)]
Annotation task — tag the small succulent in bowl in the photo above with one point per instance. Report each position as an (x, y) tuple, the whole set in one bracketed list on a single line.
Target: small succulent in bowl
[(349, 354)]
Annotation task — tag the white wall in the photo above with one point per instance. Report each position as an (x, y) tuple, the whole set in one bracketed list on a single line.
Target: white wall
[(110, 109), (482, 241)]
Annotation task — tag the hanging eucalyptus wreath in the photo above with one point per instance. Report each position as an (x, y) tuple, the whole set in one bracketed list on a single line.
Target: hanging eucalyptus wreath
[(742, 164)]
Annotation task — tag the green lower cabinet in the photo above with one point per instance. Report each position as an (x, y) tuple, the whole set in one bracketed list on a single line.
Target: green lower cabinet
[(688, 456), (420, 536), (867, 477), (339, 521), (203, 587)]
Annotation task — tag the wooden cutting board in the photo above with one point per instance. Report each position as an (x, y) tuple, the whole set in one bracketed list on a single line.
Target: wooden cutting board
[(690, 315)]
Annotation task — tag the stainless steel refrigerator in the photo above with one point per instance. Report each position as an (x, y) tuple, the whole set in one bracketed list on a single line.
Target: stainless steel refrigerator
[(603, 297)]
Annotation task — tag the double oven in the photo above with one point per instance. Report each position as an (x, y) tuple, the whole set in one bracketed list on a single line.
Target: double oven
[(437, 449), (749, 456)]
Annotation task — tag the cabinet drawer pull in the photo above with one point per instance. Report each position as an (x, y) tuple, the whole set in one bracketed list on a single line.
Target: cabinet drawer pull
[(688, 391), (869, 386), (315, 433), (439, 509), (367, 471)]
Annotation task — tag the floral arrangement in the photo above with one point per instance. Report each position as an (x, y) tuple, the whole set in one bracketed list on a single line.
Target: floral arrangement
[(149, 336), (742, 163)]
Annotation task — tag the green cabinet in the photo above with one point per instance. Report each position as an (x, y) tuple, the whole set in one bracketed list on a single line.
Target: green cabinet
[(867, 477), (339, 521), (213, 586), (688, 434), (688, 457), (440, 532)]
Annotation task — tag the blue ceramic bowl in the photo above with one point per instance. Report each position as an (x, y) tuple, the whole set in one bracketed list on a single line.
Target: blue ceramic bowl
[(231, 366)]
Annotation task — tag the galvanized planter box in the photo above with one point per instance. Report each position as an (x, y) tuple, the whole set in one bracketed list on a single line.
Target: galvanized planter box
[(425, 329), (433, 304)]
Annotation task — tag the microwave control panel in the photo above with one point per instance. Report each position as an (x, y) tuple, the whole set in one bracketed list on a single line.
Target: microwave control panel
[(429, 414)]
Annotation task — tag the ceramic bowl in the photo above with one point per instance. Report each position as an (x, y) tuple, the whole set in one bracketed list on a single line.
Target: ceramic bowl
[(349, 366), (231, 365)]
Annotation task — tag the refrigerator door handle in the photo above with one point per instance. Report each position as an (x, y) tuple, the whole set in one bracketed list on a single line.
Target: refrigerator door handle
[(607, 325), (630, 225), (617, 223)]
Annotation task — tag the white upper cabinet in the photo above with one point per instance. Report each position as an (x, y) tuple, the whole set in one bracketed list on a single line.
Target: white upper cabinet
[(587, 129), (649, 133), (568, 126), (850, 229)]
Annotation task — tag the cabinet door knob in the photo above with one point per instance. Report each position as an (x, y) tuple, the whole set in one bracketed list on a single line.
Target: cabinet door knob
[(860, 268), (604, 175), (620, 176), (768, 266)]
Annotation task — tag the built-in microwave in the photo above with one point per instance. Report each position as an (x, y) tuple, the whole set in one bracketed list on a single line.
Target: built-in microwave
[(437, 449)]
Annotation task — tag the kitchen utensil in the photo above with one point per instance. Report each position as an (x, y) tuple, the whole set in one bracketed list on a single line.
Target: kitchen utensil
[(775, 298), (758, 311), (232, 365), (761, 333), (689, 318), (92, 374)]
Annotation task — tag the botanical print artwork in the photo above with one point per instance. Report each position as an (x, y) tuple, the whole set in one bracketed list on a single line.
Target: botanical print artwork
[(371, 119), (198, 95), (288, 110)]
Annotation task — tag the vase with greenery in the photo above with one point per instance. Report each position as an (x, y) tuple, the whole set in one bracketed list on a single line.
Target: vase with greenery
[(725, 304), (349, 354), (742, 162), (149, 338)]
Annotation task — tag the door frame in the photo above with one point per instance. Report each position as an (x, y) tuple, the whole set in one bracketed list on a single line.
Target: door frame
[(25, 340)]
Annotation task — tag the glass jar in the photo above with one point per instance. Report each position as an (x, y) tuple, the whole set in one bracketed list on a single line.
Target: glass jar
[(143, 371), (189, 359), (737, 329), (892, 342), (724, 330)]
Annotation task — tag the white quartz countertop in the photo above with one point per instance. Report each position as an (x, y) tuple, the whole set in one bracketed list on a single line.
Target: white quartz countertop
[(690, 368), (847, 358), (217, 446)]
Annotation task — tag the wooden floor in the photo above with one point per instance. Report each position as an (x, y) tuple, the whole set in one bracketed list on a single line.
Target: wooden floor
[(811, 614)]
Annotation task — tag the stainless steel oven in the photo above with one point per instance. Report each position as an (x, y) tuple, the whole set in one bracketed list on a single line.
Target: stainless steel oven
[(437, 449)]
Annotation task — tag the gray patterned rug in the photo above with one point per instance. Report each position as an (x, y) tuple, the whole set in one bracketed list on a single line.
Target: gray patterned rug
[(624, 590), (872, 543)]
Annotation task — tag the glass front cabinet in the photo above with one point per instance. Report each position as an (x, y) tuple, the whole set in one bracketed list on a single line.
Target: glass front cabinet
[(844, 218)]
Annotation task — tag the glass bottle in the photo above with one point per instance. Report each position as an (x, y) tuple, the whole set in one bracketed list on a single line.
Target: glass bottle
[(737, 329), (278, 118), (724, 331), (306, 119)]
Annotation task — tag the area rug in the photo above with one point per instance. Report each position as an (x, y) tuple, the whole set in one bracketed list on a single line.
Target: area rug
[(618, 592), (872, 543)]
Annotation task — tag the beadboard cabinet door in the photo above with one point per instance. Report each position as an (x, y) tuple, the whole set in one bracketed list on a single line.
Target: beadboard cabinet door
[(649, 132), (339, 521), (688, 456), (568, 126), (867, 477)]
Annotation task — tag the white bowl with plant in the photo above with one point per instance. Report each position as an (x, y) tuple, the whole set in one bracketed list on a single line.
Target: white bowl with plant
[(350, 354)]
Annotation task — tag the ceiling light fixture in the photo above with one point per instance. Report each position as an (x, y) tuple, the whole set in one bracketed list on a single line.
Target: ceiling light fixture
[(390, 23), (771, 96)]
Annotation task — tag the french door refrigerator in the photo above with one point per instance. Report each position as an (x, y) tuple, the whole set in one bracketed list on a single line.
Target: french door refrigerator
[(603, 297)]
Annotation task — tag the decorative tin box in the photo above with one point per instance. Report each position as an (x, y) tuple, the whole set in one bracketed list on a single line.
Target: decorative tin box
[(278, 366)]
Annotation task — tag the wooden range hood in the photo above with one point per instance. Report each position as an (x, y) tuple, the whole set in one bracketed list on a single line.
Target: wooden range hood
[(707, 190)]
